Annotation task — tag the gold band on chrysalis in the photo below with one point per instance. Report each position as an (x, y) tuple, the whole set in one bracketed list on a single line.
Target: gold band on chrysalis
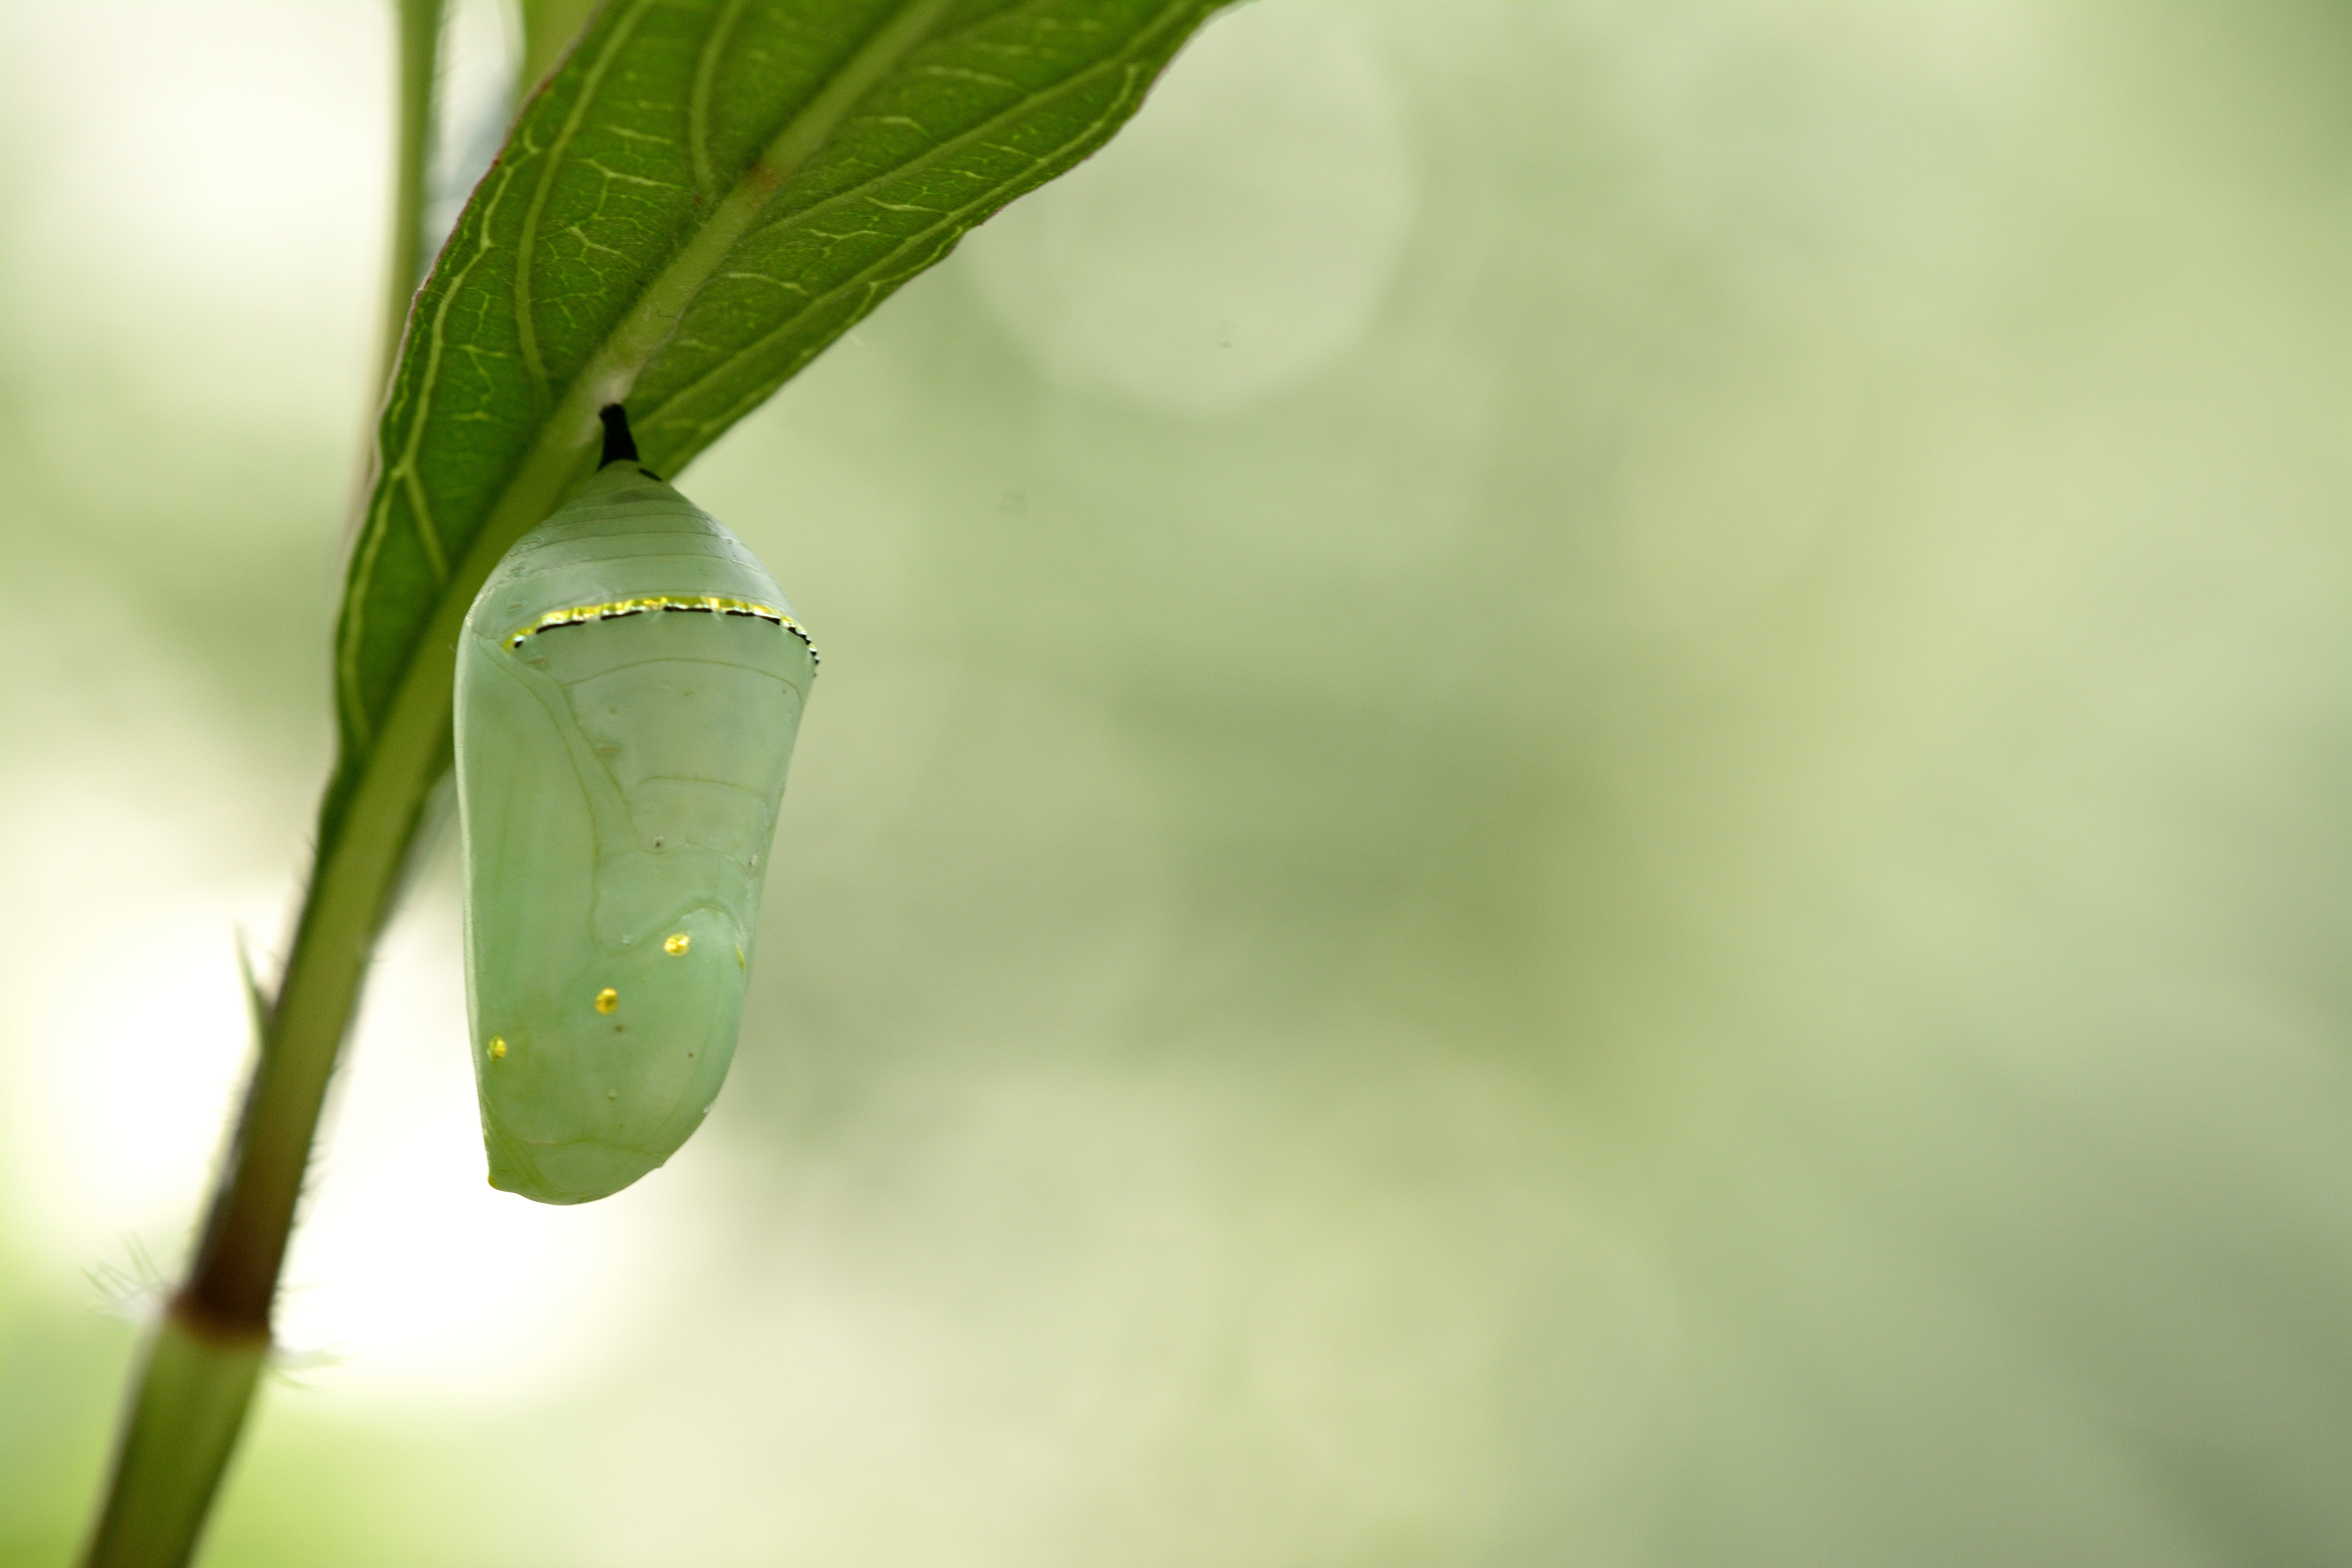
[(709, 604)]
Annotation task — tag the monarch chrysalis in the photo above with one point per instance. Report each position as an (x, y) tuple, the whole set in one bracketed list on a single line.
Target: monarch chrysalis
[(629, 682)]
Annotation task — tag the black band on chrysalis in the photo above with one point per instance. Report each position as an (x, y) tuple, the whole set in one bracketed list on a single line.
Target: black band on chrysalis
[(620, 447)]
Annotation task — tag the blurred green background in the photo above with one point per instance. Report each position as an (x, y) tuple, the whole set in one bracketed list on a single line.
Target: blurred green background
[(1581, 796)]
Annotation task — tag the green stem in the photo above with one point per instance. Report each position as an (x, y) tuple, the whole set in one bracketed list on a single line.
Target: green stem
[(419, 23), (196, 1381), (548, 28), (193, 1388)]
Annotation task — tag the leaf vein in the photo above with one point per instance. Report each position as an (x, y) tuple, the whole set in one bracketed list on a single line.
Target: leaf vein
[(551, 162), (698, 103)]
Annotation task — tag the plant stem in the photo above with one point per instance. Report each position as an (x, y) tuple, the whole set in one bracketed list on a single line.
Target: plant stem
[(194, 1389), (196, 1380), (548, 28), (419, 23)]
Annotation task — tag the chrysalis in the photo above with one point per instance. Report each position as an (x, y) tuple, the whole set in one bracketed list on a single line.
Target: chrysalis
[(629, 681)]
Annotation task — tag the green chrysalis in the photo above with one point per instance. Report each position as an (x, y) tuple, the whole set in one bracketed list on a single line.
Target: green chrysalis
[(629, 682)]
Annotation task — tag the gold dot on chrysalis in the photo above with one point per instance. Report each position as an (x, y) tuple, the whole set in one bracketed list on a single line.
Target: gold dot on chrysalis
[(676, 946), (607, 999), (738, 958), (498, 1048)]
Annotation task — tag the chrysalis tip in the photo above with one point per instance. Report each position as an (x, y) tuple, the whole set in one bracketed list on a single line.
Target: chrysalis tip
[(620, 447)]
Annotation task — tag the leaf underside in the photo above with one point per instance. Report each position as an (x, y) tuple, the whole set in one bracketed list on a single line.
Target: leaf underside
[(704, 195)]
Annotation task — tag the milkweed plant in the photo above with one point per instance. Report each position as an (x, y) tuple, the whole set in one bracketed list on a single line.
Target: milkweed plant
[(694, 198)]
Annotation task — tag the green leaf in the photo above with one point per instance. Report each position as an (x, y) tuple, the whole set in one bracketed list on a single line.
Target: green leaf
[(700, 199)]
